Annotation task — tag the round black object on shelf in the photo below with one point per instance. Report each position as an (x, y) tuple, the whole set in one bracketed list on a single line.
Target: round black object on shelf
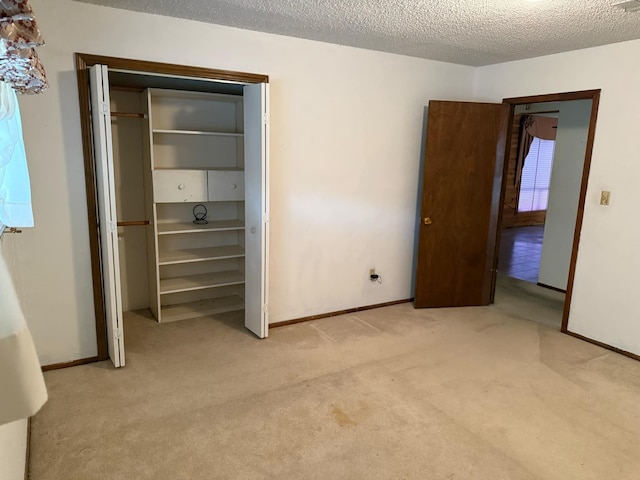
[(200, 214)]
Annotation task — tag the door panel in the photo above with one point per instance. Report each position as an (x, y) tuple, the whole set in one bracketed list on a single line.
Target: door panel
[(102, 144), (460, 203), (256, 180)]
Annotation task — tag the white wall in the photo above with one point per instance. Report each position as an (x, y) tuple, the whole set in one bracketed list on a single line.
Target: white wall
[(13, 450), (346, 134), (564, 192), (604, 305)]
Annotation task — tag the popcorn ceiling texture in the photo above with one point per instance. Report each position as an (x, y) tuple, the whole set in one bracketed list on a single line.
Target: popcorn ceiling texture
[(469, 32)]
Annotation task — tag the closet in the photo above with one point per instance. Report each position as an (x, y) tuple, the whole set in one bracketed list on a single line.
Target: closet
[(182, 193)]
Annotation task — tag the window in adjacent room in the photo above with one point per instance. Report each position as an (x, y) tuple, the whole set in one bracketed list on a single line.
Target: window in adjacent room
[(536, 176)]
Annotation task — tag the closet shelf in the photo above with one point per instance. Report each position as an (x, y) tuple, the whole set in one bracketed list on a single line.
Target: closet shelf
[(190, 227), (201, 281), (197, 132), (200, 254), (199, 169), (201, 308)]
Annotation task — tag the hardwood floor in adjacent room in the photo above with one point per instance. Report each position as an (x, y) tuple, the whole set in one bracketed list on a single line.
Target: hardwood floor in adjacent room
[(520, 252)]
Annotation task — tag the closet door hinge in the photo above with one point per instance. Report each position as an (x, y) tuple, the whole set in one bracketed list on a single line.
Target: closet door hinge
[(112, 227), (265, 118), (265, 308), (104, 108), (265, 218), (117, 332)]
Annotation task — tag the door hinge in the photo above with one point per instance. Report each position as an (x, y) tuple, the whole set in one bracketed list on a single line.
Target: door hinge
[(104, 108), (265, 308), (265, 218), (265, 118), (117, 332), (112, 227)]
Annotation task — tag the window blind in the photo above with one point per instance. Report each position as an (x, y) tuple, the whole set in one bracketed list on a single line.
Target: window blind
[(536, 176)]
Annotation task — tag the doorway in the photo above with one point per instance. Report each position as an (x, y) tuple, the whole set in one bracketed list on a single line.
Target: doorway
[(189, 182), (555, 170), (461, 228)]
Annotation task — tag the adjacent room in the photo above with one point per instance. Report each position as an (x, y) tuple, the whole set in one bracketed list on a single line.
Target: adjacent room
[(280, 239), (542, 194)]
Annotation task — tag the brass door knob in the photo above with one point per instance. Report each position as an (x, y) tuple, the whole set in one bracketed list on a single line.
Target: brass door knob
[(427, 221)]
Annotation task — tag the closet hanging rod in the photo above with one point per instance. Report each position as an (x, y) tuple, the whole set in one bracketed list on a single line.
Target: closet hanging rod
[(128, 115), (124, 88), (135, 223)]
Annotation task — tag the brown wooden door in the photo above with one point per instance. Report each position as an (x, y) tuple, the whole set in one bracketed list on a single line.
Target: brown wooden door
[(461, 187)]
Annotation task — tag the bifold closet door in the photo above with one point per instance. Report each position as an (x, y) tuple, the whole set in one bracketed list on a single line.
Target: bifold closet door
[(256, 152), (105, 183)]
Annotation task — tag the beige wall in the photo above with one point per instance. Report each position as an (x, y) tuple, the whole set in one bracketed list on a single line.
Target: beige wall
[(346, 134), (345, 148), (604, 305)]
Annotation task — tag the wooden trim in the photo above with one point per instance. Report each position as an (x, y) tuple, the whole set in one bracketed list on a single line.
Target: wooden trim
[(549, 287), (92, 205), (135, 223), (83, 62), (603, 345), (172, 69), (503, 192), (581, 203), (339, 312), (27, 455), (594, 96), (74, 363), (553, 97), (123, 88), (127, 115)]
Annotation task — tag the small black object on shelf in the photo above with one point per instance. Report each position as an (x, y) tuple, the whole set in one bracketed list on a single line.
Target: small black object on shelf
[(200, 214)]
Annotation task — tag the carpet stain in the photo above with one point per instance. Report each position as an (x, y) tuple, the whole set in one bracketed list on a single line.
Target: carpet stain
[(341, 418)]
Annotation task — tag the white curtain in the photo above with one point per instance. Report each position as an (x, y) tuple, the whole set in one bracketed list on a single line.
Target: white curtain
[(15, 190), (22, 389)]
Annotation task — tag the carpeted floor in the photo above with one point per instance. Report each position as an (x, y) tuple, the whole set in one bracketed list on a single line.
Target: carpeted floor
[(393, 393)]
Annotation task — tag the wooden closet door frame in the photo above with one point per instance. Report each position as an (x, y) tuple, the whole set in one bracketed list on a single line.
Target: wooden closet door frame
[(83, 62)]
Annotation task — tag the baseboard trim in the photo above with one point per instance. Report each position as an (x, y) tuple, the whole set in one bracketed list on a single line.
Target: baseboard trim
[(555, 289), (84, 361), (339, 312), (604, 345), (27, 456), (74, 363)]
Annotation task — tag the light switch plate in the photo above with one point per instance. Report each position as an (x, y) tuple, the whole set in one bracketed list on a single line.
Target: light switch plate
[(605, 196)]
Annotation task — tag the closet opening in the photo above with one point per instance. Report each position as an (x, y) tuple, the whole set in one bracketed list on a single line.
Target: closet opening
[(176, 162)]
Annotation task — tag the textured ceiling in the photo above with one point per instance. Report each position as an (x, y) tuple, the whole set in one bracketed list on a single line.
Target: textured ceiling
[(470, 32)]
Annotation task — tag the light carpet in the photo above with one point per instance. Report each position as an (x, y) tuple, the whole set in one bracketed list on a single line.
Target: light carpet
[(393, 393)]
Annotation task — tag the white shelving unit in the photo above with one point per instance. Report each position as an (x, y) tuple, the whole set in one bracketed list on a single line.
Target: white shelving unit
[(158, 152), (198, 132), (195, 156), (190, 227)]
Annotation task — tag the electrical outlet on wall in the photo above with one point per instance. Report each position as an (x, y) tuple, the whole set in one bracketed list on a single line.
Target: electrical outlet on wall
[(374, 277)]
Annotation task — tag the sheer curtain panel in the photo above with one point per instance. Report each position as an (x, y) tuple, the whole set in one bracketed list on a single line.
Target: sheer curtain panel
[(15, 190)]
